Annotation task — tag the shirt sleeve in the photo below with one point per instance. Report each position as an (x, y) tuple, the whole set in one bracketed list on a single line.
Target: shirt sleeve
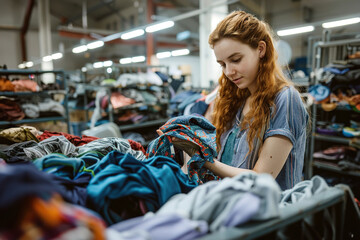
[(290, 117)]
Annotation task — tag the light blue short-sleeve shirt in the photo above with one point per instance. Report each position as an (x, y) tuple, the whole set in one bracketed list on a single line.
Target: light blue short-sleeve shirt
[(289, 119)]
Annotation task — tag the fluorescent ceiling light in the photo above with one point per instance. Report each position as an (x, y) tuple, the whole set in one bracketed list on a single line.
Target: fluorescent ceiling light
[(295, 30), (108, 63), (132, 34), (79, 49), (159, 26), (163, 54), (180, 52), (138, 59), (47, 58), (29, 64), (341, 22), (125, 60), (21, 65), (96, 44), (56, 56), (98, 64)]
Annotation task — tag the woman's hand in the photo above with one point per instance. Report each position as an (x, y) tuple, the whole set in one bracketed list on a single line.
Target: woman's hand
[(186, 146)]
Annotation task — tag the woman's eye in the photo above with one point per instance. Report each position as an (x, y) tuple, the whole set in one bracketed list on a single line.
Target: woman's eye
[(237, 60)]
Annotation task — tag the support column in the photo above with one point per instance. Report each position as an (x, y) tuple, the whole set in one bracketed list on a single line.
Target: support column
[(209, 68), (25, 28), (45, 38), (149, 36)]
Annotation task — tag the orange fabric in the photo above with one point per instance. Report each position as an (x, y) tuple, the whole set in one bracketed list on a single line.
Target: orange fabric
[(6, 85), (53, 216)]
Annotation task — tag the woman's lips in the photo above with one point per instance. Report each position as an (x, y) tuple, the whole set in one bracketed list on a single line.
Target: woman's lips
[(237, 80)]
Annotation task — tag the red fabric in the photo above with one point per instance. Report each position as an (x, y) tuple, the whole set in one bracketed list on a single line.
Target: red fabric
[(10, 110), (76, 140), (79, 141), (136, 146)]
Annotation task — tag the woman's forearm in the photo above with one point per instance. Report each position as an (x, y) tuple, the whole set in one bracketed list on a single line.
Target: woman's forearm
[(222, 170)]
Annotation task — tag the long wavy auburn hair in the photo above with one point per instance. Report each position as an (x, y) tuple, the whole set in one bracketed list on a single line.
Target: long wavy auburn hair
[(247, 29)]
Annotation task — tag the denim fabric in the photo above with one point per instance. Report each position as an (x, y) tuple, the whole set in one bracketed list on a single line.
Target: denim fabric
[(289, 119)]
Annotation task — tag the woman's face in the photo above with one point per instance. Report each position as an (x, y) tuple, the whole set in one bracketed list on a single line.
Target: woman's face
[(239, 62)]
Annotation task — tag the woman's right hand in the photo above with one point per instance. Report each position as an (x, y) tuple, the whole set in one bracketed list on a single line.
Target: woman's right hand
[(184, 145)]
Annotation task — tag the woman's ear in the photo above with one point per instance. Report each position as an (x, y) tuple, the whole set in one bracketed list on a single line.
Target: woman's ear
[(262, 49)]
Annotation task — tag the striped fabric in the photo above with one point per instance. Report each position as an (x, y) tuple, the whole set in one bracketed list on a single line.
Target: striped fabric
[(55, 144), (59, 144), (106, 145)]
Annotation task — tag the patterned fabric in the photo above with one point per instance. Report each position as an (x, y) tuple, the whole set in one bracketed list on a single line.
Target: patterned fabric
[(106, 145), (195, 129), (55, 144), (102, 146), (15, 152)]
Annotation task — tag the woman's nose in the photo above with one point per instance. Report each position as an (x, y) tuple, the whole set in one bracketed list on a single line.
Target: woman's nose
[(229, 71)]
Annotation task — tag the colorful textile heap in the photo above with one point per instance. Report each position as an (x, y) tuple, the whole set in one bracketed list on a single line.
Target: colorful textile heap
[(125, 187), (195, 129), (32, 207)]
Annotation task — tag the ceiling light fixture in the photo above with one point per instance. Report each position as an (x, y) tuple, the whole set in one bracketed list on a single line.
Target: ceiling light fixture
[(108, 63), (159, 26), (138, 59), (163, 55), (79, 49), (180, 52), (98, 64), (293, 31), (29, 64), (341, 22), (47, 58), (125, 60), (56, 56), (133, 34), (95, 44)]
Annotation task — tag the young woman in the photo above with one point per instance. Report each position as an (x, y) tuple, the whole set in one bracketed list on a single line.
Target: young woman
[(259, 116)]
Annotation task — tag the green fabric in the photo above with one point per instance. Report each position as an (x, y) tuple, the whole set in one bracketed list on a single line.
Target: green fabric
[(229, 147)]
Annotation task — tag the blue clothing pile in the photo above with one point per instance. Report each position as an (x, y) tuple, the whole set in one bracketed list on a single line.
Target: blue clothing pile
[(122, 176)]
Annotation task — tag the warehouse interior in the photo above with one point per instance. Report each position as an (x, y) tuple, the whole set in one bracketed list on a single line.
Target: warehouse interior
[(118, 120)]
